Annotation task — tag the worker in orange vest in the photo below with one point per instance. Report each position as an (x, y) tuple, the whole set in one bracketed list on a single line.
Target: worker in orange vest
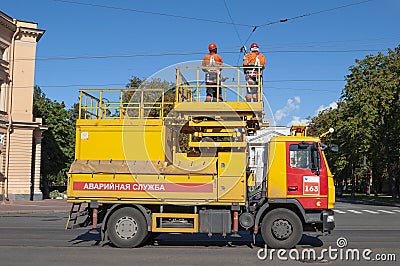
[(211, 63), (254, 62)]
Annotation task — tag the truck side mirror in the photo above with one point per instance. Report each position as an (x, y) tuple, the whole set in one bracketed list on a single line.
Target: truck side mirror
[(334, 147)]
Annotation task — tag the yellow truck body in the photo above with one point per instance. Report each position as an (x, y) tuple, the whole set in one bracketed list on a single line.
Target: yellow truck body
[(167, 161)]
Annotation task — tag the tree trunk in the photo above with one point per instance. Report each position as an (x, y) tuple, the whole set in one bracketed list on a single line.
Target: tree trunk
[(45, 188)]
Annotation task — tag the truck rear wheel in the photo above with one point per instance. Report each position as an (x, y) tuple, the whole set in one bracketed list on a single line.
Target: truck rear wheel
[(281, 228), (127, 228)]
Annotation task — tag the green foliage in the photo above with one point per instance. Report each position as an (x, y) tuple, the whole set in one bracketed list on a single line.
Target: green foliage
[(153, 92), (58, 141), (56, 194), (367, 123)]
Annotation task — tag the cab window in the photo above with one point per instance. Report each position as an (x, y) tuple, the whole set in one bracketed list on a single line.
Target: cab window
[(300, 157)]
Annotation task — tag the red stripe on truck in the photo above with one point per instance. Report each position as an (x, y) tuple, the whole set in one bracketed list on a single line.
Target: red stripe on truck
[(142, 187)]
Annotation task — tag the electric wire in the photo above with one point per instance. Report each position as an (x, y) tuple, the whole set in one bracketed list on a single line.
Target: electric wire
[(109, 85), (302, 16), (152, 13), (312, 13), (237, 32), (233, 22), (62, 58), (254, 27)]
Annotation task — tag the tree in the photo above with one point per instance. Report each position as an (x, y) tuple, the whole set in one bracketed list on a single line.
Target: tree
[(154, 92), (367, 122), (58, 141), (338, 161)]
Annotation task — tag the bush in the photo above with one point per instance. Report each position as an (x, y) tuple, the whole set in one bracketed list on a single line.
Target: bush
[(55, 194)]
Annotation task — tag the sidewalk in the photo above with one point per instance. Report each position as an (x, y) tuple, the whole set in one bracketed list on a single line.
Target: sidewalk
[(39, 206)]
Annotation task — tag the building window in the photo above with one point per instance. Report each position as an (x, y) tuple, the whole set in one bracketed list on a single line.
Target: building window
[(2, 52), (253, 156)]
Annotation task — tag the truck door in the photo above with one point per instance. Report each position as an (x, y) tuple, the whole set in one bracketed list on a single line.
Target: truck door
[(306, 176)]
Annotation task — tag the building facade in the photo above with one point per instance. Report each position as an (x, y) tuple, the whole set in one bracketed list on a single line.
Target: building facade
[(20, 132)]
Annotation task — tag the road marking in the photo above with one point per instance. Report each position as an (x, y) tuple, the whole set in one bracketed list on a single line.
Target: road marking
[(353, 211), (385, 211), (338, 211), (374, 212), (396, 210)]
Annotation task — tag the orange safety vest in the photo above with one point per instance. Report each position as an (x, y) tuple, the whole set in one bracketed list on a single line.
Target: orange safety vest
[(212, 59), (254, 59)]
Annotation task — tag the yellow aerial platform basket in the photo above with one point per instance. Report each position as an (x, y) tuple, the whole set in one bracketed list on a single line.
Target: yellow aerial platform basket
[(164, 144)]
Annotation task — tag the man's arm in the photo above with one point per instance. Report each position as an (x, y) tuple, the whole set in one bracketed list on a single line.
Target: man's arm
[(262, 60)]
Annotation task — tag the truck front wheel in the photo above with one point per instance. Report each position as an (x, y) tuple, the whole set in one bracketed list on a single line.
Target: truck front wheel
[(127, 228), (281, 228)]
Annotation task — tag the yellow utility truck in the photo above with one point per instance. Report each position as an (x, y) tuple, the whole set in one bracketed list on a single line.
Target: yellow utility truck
[(160, 159)]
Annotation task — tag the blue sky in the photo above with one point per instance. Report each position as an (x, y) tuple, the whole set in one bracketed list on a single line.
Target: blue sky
[(307, 57)]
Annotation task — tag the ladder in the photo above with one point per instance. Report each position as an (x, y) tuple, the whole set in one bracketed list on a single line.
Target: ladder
[(74, 213)]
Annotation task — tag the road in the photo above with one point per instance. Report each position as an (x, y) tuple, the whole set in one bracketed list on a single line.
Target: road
[(40, 239)]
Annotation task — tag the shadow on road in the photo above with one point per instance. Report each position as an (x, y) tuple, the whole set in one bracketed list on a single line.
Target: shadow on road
[(246, 239), (89, 236), (311, 241), (204, 240)]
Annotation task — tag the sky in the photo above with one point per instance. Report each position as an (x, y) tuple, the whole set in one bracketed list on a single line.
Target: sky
[(103, 43)]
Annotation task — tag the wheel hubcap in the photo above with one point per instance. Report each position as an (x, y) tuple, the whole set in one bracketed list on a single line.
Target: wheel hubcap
[(126, 227), (281, 229)]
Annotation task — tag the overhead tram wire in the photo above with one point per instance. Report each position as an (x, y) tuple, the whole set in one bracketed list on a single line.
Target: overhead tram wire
[(305, 80), (297, 89), (312, 13), (123, 84), (302, 16), (64, 58), (254, 27), (164, 14), (152, 13), (233, 22), (326, 51), (237, 32)]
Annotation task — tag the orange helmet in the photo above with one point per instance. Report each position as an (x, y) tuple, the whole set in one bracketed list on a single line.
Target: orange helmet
[(254, 47), (212, 46)]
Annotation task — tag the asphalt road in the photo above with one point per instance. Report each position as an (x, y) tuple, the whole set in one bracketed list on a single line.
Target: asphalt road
[(40, 239)]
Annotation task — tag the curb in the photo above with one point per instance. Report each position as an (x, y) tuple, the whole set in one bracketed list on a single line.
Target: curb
[(31, 207), (31, 211)]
